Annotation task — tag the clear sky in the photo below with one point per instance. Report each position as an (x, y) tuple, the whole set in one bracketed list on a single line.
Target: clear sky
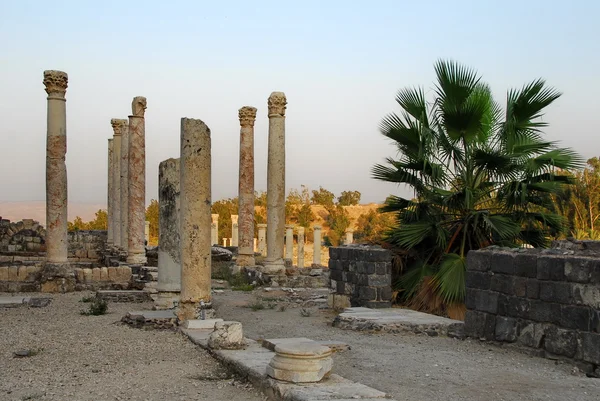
[(340, 64)]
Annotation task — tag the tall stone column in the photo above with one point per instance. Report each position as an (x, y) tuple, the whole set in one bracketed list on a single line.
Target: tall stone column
[(234, 230), (136, 214), (317, 246), (224, 241), (169, 261), (300, 247), (124, 186), (56, 83), (247, 116), (214, 229), (109, 202), (349, 236), (195, 185), (147, 233), (118, 125), (274, 263), (289, 242), (262, 239)]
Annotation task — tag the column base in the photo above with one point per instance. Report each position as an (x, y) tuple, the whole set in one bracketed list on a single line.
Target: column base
[(166, 300), (137, 258), (275, 267), (57, 277), (189, 310)]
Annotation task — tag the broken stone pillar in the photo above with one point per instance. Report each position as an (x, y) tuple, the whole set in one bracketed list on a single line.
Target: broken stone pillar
[(56, 170), (317, 246), (195, 201), (247, 116), (225, 242), (274, 263), (118, 126), (109, 201), (234, 230), (262, 239), (169, 262), (227, 335), (289, 242), (300, 362), (300, 247), (255, 242), (214, 229), (349, 236), (136, 214), (124, 186)]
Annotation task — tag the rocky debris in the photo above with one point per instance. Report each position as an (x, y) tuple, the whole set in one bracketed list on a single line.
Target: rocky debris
[(130, 296), (227, 335), (220, 254), (160, 320)]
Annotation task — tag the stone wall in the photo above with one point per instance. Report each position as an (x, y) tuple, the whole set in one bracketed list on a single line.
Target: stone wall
[(87, 245), (360, 276), (22, 236), (548, 300)]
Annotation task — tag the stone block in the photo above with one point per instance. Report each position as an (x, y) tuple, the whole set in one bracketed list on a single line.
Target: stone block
[(503, 262), (518, 307), (124, 274), (480, 325), (201, 324), (384, 293), (301, 362), (590, 345), (379, 281), (343, 253), (350, 289), (333, 254), (341, 287), (580, 269), (586, 294), (227, 335), (478, 280), (595, 320), (87, 276), (378, 255), (79, 275), (6, 259), (526, 265), (480, 300), (531, 333), (383, 268), (544, 312), (96, 274), (361, 267), (4, 273), (104, 274), (502, 283), (506, 329), (551, 291), (338, 301), (367, 293), (551, 267), (13, 273), (32, 270), (576, 317), (81, 253), (377, 304), (92, 254), (335, 274), (370, 267), (561, 342), (533, 288), (22, 273), (479, 261), (113, 274)]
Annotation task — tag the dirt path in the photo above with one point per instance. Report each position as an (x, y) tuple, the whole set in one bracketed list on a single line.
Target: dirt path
[(416, 367), (91, 358)]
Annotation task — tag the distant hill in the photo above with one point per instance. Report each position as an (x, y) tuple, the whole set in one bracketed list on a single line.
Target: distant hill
[(36, 210)]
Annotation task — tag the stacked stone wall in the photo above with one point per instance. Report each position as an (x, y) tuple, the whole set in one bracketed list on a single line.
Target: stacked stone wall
[(360, 276), (548, 300), (22, 236)]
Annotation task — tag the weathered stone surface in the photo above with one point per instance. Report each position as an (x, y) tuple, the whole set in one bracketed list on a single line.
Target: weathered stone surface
[(110, 194), (160, 320), (124, 171), (300, 247), (123, 296), (227, 335), (316, 245), (136, 252), (195, 201), (169, 261), (262, 239), (56, 170), (300, 363), (200, 324), (118, 126), (247, 116)]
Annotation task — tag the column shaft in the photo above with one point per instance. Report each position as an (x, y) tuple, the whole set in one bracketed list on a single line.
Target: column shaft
[(125, 187), (262, 239), (247, 116), (118, 128), (214, 229), (317, 246), (289, 242), (110, 202), (300, 247)]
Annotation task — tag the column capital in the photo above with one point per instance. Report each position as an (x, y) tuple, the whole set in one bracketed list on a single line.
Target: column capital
[(277, 103), (234, 218), (262, 225), (247, 115), (290, 226), (214, 217), (317, 227), (118, 124), (138, 106), (56, 82)]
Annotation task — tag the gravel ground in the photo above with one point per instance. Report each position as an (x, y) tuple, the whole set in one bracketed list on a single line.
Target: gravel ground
[(415, 367), (97, 358)]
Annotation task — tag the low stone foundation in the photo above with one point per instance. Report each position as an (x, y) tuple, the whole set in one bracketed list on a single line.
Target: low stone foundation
[(131, 296), (160, 320)]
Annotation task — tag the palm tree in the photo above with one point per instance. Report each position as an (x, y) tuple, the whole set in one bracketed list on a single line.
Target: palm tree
[(480, 176)]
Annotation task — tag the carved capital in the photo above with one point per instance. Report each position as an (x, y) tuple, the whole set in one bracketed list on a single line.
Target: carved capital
[(118, 124), (276, 103), (247, 115), (138, 106), (56, 82)]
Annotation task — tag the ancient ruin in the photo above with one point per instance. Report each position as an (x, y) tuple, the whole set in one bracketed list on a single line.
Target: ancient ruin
[(247, 116)]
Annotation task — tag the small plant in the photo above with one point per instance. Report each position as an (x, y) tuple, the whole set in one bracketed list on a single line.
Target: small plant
[(87, 299), (97, 307), (256, 305), (243, 287), (282, 308), (305, 312)]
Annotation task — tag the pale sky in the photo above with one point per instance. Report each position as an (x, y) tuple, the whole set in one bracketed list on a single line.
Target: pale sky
[(340, 64)]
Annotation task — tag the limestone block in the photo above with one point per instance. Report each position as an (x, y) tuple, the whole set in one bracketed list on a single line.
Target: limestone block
[(113, 274), (87, 275), (5, 259), (4, 273), (22, 273), (201, 324), (81, 253), (300, 362), (104, 274), (92, 254), (13, 273), (33, 269), (227, 335), (79, 274), (124, 274), (96, 274)]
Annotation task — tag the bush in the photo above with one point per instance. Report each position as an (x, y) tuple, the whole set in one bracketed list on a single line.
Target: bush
[(97, 307)]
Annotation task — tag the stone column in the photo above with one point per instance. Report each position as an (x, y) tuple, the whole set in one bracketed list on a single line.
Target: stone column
[(255, 242), (136, 214), (317, 246), (214, 229), (247, 116), (169, 262), (262, 239), (349, 236), (124, 186), (195, 185), (300, 247), (109, 202), (118, 126), (225, 242), (289, 242), (147, 233), (56, 170), (274, 263), (234, 230)]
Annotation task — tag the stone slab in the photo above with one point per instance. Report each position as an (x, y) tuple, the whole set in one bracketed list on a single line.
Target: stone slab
[(271, 343), (135, 296), (200, 324), (395, 320), (153, 314), (9, 302)]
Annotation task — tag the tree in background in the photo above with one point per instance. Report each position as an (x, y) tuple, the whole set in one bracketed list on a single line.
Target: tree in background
[(225, 208), (349, 198), (371, 227), (260, 198), (322, 197), (99, 223), (479, 178), (337, 221), (77, 224), (152, 216)]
